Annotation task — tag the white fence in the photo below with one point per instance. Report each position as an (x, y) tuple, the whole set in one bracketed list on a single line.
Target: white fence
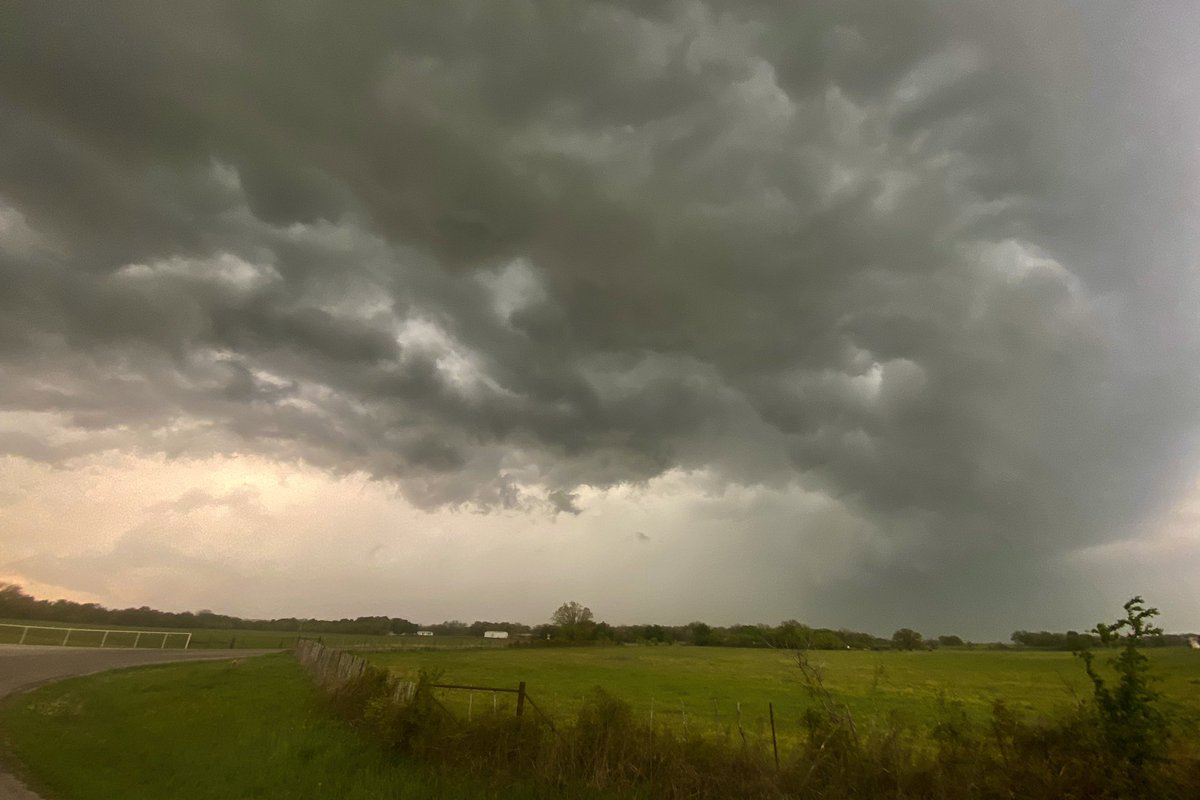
[(117, 635)]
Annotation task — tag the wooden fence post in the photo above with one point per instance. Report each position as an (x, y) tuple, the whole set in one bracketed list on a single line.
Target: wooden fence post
[(520, 698), (774, 741)]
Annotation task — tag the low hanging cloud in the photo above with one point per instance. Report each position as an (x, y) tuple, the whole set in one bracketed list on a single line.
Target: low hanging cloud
[(933, 262)]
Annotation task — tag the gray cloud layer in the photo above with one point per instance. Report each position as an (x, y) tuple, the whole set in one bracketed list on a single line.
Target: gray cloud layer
[(934, 260)]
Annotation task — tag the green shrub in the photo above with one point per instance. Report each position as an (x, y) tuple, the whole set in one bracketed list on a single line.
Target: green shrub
[(1135, 730), (352, 698), (404, 716)]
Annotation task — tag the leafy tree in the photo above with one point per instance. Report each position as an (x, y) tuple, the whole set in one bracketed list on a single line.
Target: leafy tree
[(1133, 725), (701, 633), (451, 627), (907, 639), (574, 622), (950, 641), (745, 636), (571, 613)]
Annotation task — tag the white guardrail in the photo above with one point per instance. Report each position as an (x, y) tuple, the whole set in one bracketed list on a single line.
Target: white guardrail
[(66, 632)]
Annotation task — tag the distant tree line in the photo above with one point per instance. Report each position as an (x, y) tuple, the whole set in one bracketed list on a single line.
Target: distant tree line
[(16, 604), (571, 623), (1076, 641), (787, 635), (456, 628)]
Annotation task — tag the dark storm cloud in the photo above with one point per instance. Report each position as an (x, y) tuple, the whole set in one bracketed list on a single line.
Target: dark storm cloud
[(933, 260)]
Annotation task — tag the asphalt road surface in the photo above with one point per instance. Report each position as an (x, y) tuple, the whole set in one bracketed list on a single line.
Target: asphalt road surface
[(25, 666)]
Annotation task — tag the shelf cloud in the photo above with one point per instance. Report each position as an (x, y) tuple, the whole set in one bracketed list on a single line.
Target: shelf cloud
[(903, 295)]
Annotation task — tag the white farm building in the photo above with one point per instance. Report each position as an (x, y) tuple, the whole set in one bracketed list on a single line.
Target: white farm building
[(495, 634)]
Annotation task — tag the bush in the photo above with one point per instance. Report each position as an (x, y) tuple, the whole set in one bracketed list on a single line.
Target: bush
[(1135, 730), (404, 716)]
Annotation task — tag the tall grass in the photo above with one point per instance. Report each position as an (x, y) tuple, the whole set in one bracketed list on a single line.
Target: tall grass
[(681, 683), (605, 747)]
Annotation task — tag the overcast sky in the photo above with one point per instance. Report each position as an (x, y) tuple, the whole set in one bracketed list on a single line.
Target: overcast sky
[(864, 314)]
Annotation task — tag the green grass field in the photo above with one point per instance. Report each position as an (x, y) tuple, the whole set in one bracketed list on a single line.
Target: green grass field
[(257, 728), (53, 633), (707, 684), (207, 731)]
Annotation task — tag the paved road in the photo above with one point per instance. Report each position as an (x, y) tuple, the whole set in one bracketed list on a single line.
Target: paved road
[(26, 666)]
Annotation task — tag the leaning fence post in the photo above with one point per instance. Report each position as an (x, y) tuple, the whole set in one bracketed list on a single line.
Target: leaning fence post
[(520, 698), (774, 741)]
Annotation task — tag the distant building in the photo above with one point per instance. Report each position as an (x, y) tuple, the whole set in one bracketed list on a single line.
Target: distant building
[(495, 634), (424, 633), (1194, 642)]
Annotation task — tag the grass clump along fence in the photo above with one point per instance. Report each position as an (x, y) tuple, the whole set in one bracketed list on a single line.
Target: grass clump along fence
[(1114, 744)]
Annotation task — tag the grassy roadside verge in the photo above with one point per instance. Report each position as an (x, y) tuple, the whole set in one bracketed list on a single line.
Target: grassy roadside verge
[(214, 730)]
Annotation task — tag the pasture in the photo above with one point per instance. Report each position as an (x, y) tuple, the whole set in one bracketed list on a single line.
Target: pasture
[(702, 687), (259, 728)]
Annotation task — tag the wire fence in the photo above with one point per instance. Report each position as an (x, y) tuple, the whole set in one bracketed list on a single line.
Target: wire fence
[(748, 724)]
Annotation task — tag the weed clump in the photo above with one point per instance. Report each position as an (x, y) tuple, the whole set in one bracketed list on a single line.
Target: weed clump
[(404, 716)]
